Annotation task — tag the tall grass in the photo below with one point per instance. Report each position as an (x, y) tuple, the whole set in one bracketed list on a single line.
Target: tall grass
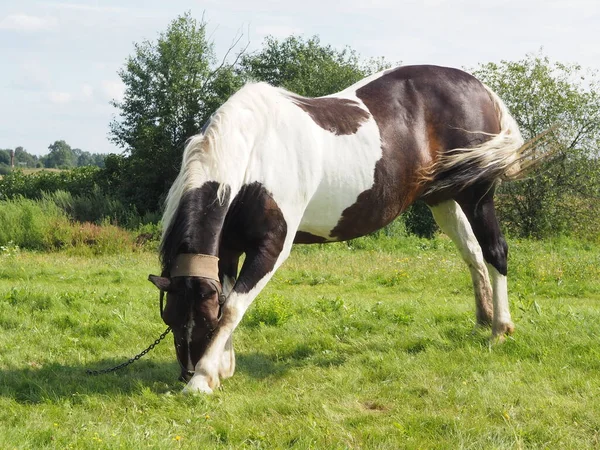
[(42, 225)]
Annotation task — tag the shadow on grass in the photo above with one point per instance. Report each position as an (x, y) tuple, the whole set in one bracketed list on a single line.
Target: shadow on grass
[(260, 365), (54, 382)]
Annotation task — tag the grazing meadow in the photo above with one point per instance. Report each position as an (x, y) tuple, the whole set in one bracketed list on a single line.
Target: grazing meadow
[(370, 344)]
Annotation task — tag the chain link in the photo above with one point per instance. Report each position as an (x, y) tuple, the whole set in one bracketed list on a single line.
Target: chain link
[(131, 360)]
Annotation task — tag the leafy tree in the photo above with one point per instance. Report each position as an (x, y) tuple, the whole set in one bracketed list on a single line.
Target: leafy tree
[(61, 156), (172, 86), (307, 67), (563, 195), (98, 159), (22, 158), (5, 157)]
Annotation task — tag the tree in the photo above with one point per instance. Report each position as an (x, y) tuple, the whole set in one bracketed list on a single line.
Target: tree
[(24, 159), (5, 157), (561, 196), (307, 67), (172, 86), (61, 156)]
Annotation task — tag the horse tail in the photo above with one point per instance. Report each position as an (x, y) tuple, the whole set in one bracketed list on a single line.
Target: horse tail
[(505, 156)]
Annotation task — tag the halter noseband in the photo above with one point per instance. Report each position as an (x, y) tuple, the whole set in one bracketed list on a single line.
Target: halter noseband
[(199, 266)]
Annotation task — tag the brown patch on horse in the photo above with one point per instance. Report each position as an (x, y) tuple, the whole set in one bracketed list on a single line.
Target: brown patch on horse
[(418, 121), (303, 237), (340, 116), (254, 225)]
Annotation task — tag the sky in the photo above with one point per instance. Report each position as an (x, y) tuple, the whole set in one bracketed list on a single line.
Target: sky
[(59, 60)]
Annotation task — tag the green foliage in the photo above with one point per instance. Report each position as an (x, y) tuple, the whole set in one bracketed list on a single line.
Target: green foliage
[(419, 220), (307, 67), (30, 224), (172, 86), (61, 156), (78, 181), (273, 310), (24, 159), (4, 157), (43, 225), (95, 207), (562, 195)]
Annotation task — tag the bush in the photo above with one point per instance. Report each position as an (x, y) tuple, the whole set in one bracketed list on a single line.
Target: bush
[(419, 221), (79, 181)]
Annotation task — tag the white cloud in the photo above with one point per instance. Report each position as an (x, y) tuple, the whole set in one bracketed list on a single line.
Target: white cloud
[(113, 89), (59, 98), (24, 22)]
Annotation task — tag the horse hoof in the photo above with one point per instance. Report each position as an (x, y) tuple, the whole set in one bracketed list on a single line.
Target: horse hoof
[(500, 331), (198, 384)]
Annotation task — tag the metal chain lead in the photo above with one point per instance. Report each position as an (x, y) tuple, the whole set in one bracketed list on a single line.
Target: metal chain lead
[(131, 360)]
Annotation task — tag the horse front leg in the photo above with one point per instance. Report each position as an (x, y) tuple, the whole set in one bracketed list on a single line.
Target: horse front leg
[(260, 265), (228, 269)]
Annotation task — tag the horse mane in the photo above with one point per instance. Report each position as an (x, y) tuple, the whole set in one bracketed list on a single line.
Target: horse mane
[(221, 152)]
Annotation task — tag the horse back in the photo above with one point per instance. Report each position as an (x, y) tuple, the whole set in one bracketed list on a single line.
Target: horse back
[(416, 114)]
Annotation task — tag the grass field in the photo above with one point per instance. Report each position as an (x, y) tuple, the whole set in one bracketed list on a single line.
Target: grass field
[(348, 347)]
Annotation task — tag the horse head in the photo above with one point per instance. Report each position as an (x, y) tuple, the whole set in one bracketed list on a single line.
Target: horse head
[(193, 306)]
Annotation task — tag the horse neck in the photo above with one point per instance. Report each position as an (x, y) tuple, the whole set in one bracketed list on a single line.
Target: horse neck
[(197, 225)]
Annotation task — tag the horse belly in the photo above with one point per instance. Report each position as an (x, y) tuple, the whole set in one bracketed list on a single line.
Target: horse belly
[(348, 170)]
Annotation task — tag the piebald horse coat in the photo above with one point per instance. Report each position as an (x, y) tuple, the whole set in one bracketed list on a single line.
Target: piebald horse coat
[(272, 168)]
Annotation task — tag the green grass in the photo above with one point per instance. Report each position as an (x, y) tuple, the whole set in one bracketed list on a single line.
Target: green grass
[(347, 347)]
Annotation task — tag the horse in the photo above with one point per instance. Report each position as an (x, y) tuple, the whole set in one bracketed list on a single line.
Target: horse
[(272, 168)]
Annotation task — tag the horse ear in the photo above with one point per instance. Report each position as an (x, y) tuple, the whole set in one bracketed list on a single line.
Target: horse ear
[(163, 283)]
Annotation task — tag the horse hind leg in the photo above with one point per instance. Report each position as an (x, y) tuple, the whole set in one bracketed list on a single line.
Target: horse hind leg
[(478, 206), (452, 221)]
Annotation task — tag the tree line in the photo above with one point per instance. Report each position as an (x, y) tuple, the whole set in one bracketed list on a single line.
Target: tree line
[(60, 156), (175, 83)]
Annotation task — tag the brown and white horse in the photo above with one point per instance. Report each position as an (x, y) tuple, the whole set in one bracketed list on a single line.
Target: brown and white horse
[(272, 169)]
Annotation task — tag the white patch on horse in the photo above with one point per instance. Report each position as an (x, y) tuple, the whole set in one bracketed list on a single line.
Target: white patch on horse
[(227, 364), (502, 321), (347, 168)]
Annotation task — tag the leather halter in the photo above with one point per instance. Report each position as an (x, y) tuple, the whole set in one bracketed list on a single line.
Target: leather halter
[(199, 266)]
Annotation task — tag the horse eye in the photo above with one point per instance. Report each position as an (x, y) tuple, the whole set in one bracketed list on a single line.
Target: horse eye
[(204, 295)]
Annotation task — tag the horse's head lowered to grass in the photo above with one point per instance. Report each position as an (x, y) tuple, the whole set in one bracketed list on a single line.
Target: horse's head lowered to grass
[(193, 302)]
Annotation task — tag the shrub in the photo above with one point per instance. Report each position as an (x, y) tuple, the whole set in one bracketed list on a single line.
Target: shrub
[(419, 221)]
